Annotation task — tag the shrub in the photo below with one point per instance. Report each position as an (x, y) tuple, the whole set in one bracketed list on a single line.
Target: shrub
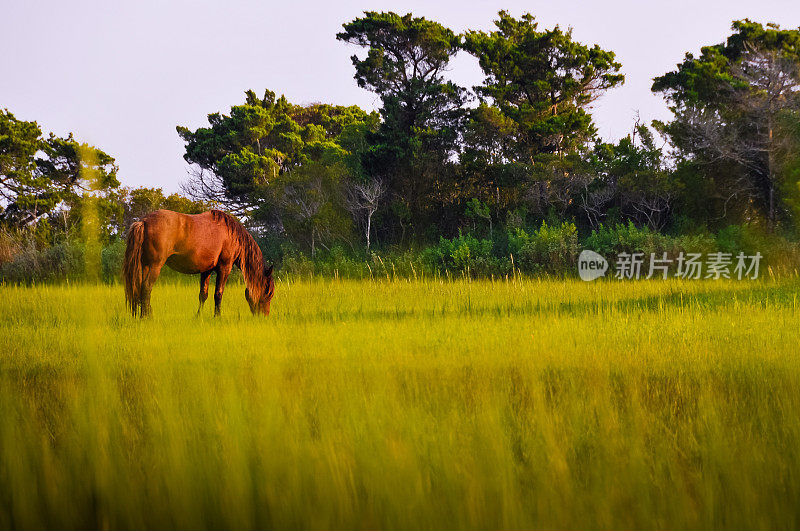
[(547, 249), (9, 246), (63, 261), (296, 263), (464, 253), (703, 243), (337, 263), (621, 238), (111, 259), (778, 253)]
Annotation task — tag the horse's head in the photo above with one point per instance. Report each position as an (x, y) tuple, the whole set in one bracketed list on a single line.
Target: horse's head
[(261, 306)]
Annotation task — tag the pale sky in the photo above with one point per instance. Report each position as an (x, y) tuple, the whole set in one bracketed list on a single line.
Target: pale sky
[(122, 75)]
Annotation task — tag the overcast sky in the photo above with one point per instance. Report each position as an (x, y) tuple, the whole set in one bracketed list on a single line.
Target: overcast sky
[(121, 77)]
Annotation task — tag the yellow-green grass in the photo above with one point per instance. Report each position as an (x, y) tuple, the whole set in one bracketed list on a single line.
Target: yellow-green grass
[(404, 405)]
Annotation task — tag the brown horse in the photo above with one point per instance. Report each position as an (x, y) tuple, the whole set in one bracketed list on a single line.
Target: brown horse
[(203, 243)]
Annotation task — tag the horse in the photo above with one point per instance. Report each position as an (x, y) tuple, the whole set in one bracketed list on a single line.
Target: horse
[(202, 243)]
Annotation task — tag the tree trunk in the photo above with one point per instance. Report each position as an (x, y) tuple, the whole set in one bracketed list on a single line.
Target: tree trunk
[(771, 215), (369, 224), (770, 184)]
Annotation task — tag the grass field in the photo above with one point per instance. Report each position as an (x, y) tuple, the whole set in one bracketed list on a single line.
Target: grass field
[(422, 405)]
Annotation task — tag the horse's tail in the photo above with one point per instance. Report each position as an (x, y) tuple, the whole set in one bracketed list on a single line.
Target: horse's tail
[(132, 267)]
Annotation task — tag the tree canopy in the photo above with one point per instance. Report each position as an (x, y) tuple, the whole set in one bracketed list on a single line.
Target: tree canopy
[(737, 110), (278, 162), (506, 158), (421, 111), (542, 82), (39, 173)]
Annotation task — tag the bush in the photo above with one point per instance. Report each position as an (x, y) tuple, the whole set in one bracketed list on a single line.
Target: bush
[(275, 246), (610, 241), (548, 249), (332, 263), (465, 253), (63, 261), (111, 259), (702, 243), (778, 253), (296, 263), (743, 238), (9, 246), (338, 262)]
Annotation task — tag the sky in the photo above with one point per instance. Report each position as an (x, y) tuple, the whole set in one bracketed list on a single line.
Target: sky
[(122, 75)]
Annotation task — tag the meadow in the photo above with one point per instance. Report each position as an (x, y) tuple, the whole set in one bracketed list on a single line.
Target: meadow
[(396, 404)]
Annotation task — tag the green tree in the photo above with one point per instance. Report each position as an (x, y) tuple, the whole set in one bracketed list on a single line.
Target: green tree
[(528, 139), (543, 81), (633, 175), (138, 202), (735, 109), (119, 208), (313, 206), (478, 210), (489, 166), (282, 164), (38, 174), (239, 156), (422, 111)]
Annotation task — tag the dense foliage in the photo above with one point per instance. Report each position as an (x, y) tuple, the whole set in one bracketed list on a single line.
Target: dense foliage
[(737, 125), (38, 174), (452, 178), (521, 148)]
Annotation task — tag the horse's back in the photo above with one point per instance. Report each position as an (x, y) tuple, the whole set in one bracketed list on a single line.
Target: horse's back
[(192, 243), (181, 225), (169, 217)]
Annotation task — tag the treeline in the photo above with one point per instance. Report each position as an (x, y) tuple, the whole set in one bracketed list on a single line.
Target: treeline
[(440, 160), (58, 246), (61, 202), (454, 178)]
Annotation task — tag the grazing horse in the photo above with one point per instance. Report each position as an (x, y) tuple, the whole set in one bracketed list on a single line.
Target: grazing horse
[(203, 243)]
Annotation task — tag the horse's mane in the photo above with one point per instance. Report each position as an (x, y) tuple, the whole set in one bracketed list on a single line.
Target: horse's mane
[(251, 261)]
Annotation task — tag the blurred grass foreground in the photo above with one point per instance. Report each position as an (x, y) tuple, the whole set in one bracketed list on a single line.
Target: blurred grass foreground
[(404, 405)]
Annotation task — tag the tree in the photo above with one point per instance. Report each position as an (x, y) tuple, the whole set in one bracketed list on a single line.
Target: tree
[(240, 155), (633, 171), (421, 111), (138, 202), (38, 174), (734, 108), (117, 209), (364, 198), (530, 134), (311, 199), (543, 81), (489, 169), (478, 210), (279, 164)]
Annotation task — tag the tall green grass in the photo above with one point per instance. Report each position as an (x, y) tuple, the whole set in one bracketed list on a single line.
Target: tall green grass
[(404, 405)]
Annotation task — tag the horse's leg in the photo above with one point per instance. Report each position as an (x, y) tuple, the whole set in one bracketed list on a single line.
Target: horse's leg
[(142, 290), (149, 277), (222, 276), (205, 278)]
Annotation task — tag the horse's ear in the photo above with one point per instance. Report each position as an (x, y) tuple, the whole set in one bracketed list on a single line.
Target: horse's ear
[(268, 271)]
